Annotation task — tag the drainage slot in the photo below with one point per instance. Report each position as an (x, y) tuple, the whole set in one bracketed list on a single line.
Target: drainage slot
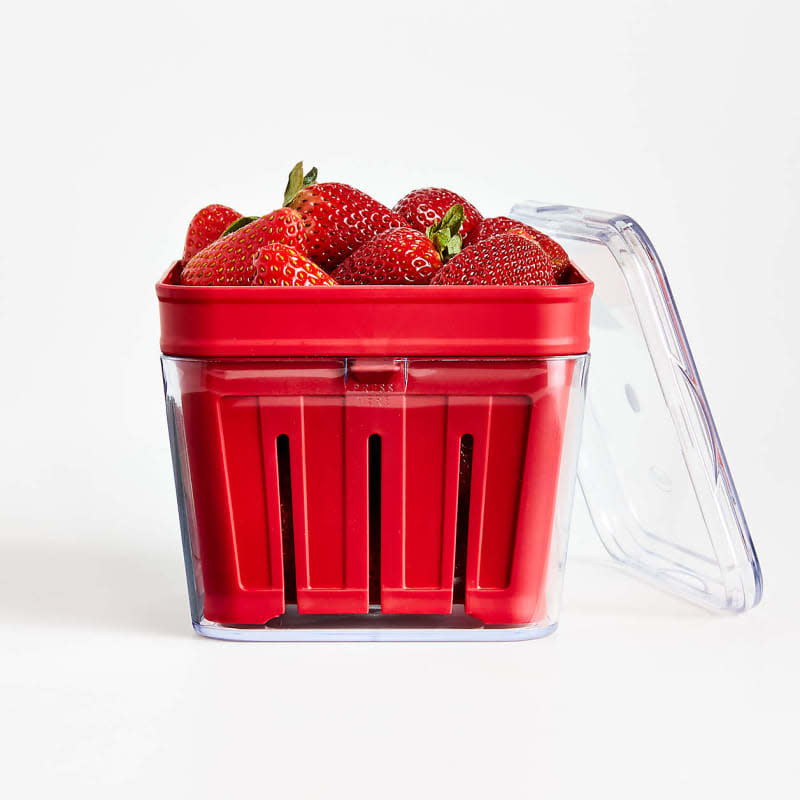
[(462, 516), (287, 520), (374, 461)]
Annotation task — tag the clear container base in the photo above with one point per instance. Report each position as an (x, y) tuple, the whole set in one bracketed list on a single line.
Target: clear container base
[(373, 627)]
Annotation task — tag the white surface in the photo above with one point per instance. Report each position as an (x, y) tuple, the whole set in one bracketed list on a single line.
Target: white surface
[(118, 124)]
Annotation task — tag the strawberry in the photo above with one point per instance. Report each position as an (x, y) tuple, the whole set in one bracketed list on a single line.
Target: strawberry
[(229, 260), (423, 207), (338, 219), (206, 226), (503, 259), (280, 265), (491, 226), (404, 255)]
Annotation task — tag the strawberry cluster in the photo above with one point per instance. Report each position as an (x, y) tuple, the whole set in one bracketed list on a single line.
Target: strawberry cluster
[(328, 234)]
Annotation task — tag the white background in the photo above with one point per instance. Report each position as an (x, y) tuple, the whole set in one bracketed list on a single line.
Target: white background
[(119, 121)]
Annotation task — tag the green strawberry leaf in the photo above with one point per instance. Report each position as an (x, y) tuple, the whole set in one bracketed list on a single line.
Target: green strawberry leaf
[(453, 218), (444, 234), (310, 177), (236, 224), (294, 184), (441, 239)]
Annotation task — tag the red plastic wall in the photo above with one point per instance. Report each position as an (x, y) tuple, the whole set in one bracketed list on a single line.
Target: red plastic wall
[(234, 413)]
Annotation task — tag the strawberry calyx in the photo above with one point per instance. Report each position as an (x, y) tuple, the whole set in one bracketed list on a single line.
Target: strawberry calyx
[(236, 224), (298, 181), (444, 234)]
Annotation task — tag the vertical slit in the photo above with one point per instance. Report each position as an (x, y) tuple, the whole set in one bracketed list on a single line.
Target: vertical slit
[(462, 516), (287, 520), (374, 494)]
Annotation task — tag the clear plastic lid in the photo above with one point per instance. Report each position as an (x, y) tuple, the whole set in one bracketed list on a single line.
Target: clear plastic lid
[(652, 469)]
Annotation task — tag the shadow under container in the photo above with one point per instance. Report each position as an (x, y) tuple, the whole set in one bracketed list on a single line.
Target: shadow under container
[(374, 462)]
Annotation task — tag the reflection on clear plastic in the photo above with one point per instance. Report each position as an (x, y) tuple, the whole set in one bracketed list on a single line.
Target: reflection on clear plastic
[(652, 468), (325, 498)]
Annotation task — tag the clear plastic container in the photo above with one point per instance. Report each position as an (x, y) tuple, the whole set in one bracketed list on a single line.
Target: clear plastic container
[(399, 462), (405, 496)]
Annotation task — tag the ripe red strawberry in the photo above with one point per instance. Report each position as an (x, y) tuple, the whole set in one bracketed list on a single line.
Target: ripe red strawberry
[(338, 218), (280, 265), (399, 255), (229, 260), (504, 259), (491, 226), (206, 226), (422, 207), (404, 255)]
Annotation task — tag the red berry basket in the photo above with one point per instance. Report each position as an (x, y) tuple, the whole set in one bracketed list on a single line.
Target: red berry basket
[(389, 462), (373, 459)]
